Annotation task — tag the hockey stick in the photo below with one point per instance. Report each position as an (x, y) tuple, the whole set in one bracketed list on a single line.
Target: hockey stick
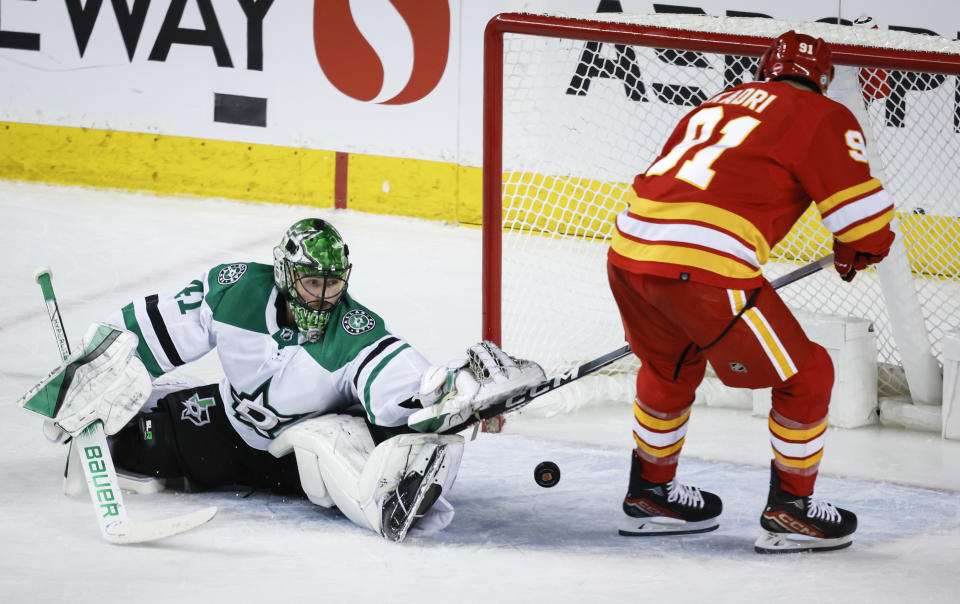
[(91, 445), (524, 398)]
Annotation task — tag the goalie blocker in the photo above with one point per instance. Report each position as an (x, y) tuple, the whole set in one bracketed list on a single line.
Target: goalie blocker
[(100, 381)]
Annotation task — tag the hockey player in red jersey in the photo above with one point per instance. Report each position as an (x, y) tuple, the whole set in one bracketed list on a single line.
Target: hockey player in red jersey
[(684, 268)]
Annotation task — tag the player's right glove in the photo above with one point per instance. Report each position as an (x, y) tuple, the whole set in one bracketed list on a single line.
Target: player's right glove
[(848, 259)]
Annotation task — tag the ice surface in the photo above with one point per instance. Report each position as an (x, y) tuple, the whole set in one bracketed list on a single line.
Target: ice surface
[(511, 540)]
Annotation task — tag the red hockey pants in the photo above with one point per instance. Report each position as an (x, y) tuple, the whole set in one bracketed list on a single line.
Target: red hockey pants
[(751, 340)]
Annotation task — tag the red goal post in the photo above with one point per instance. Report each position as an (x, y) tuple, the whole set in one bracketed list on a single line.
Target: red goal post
[(554, 179)]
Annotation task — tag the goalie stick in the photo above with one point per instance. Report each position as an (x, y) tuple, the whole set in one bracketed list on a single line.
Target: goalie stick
[(524, 398), (91, 445)]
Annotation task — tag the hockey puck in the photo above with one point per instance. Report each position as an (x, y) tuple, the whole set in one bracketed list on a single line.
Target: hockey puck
[(547, 474)]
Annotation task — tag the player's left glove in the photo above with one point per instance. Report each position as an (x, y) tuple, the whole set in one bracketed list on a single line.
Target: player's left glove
[(453, 394)]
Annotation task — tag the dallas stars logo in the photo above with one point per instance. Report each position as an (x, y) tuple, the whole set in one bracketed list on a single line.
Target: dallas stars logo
[(231, 274), (357, 322), (255, 411), (197, 410)]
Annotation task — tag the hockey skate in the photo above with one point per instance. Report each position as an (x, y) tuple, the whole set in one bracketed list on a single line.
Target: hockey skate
[(418, 490), (801, 524), (667, 508)]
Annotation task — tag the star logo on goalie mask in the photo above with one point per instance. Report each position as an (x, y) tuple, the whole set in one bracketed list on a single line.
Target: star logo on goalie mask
[(197, 410)]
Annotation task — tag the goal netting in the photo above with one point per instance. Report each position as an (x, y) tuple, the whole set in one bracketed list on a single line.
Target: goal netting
[(576, 106)]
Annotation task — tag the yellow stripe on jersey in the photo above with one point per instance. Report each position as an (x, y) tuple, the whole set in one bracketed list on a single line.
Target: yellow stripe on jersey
[(867, 228), (771, 343), (738, 299), (683, 256), (655, 451), (655, 423), (703, 213), (841, 196), (804, 463), (795, 435)]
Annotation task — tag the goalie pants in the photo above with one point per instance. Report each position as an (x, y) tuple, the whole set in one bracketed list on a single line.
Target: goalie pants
[(189, 436), (751, 340)]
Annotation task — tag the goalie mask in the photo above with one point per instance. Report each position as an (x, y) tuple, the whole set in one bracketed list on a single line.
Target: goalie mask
[(311, 268)]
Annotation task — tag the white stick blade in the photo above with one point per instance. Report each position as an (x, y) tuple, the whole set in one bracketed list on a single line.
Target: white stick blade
[(128, 531)]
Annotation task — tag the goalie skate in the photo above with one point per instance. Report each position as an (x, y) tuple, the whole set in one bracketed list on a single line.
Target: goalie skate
[(416, 493)]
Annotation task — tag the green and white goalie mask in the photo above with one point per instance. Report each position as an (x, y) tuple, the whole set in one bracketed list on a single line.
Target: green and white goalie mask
[(311, 268)]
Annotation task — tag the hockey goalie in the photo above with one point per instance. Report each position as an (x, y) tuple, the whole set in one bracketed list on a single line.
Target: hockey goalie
[(317, 395)]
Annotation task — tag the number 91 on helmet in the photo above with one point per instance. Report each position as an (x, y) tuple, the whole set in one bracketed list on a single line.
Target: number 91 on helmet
[(795, 56)]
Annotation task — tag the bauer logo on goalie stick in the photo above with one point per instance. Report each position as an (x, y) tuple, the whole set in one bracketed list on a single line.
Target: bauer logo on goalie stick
[(357, 322), (106, 490), (231, 274)]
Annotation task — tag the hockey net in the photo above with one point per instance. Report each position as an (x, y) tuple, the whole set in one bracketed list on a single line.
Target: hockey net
[(576, 106)]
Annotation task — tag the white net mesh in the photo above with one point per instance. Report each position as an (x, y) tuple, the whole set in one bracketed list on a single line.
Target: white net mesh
[(582, 118)]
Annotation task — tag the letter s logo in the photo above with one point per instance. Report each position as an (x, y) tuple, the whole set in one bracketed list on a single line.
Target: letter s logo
[(353, 66)]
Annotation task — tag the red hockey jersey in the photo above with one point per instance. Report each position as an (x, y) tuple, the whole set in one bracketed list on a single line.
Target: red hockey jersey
[(735, 175)]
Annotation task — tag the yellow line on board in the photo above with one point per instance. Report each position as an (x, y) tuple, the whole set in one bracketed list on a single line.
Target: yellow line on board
[(582, 207)]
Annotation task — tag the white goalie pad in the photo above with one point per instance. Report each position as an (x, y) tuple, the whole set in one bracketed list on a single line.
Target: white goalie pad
[(101, 381), (339, 443), (339, 465)]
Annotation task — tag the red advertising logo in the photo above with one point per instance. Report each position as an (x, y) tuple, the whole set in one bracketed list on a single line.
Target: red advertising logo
[(351, 64)]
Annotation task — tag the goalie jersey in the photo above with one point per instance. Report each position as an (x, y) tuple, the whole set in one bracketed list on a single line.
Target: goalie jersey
[(273, 377), (737, 173)]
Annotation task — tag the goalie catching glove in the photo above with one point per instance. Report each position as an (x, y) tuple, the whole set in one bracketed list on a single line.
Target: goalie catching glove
[(101, 381), (453, 395)]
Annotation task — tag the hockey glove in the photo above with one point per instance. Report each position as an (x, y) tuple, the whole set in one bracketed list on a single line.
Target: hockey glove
[(454, 394), (101, 381), (848, 260)]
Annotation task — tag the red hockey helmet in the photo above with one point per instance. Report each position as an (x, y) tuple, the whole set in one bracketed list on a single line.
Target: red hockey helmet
[(794, 55)]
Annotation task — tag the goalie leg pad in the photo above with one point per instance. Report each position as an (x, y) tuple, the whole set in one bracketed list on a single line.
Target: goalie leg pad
[(339, 464), (331, 449), (417, 498)]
